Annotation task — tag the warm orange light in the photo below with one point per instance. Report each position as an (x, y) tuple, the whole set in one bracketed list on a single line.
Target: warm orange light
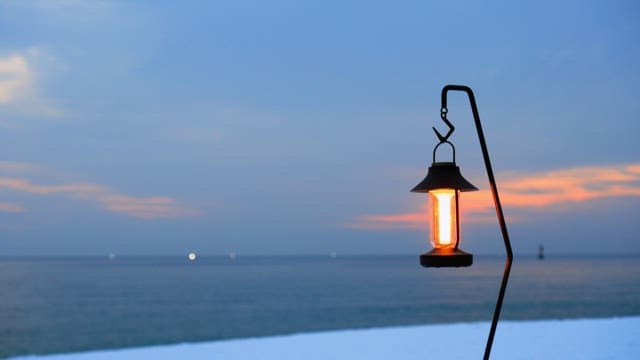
[(443, 227)]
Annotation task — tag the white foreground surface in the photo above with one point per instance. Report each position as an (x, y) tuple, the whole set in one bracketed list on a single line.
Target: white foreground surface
[(616, 338)]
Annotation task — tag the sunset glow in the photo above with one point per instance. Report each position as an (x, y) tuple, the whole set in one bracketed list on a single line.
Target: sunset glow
[(285, 128), (132, 206), (556, 190)]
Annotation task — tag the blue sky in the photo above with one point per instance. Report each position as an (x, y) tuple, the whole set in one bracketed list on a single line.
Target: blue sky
[(285, 127)]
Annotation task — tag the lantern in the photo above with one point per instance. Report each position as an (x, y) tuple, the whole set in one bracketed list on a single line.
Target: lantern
[(443, 183)]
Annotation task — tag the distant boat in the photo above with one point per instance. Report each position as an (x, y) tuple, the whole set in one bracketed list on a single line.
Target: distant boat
[(232, 255), (192, 256), (111, 256), (333, 254), (541, 252)]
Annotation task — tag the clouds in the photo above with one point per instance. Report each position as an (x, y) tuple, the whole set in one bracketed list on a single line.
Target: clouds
[(520, 192), (574, 185), (163, 107), (19, 88), (153, 207), (11, 207), (16, 79), (144, 208)]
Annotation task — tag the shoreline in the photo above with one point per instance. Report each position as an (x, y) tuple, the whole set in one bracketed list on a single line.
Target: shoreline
[(587, 338)]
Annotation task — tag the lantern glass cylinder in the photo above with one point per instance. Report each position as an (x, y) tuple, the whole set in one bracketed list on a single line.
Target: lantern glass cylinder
[(444, 229)]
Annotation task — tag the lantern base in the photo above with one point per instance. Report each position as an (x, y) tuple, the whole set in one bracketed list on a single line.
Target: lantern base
[(446, 258)]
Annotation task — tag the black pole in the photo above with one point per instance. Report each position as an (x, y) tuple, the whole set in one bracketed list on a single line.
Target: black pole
[(496, 201)]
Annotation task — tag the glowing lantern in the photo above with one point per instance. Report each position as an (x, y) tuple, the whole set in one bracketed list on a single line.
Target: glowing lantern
[(444, 182)]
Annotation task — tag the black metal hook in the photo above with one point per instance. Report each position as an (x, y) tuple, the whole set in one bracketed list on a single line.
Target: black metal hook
[(443, 116)]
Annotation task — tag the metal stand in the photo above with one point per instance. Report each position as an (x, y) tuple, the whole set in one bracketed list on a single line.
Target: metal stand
[(496, 200)]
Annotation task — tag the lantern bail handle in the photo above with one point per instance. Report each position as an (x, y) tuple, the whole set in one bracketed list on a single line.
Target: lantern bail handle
[(453, 150)]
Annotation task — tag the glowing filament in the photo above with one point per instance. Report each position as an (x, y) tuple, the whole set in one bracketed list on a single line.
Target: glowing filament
[(444, 218)]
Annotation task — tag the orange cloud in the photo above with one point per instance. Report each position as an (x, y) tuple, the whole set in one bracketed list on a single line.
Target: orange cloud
[(139, 207), (10, 207), (415, 220), (536, 190), (146, 208), (77, 189)]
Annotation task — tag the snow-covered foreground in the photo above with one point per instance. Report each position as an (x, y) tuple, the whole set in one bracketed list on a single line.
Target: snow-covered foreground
[(617, 338)]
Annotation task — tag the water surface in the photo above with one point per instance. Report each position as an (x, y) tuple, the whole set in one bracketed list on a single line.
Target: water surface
[(53, 305)]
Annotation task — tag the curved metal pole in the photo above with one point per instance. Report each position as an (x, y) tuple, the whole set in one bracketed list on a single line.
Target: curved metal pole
[(496, 201)]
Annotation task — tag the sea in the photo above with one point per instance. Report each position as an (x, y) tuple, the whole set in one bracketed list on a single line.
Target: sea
[(70, 304)]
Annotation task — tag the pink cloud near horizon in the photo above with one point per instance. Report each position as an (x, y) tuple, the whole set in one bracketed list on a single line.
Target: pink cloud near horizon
[(558, 190), (138, 207), (11, 207)]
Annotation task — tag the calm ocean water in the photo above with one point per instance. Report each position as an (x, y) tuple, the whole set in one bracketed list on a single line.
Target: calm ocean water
[(51, 305)]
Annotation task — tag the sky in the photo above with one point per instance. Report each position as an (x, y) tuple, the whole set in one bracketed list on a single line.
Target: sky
[(290, 127)]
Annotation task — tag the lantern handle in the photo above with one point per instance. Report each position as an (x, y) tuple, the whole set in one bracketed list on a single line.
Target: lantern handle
[(496, 201), (453, 149)]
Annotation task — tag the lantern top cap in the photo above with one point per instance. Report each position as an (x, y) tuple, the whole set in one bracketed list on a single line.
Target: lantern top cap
[(444, 175)]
